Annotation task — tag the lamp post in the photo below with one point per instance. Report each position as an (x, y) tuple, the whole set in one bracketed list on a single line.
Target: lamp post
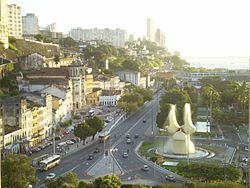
[(114, 150)]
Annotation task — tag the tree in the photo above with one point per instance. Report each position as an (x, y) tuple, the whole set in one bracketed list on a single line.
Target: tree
[(17, 171), (68, 181), (209, 94), (243, 95), (85, 184), (56, 59), (83, 131), (96, 123), (179, 98), (109, 181)]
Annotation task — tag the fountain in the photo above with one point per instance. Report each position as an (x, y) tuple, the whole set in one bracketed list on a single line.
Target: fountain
[(180, 144)]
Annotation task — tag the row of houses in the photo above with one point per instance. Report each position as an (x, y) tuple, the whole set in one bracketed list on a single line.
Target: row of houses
[(50, 95)]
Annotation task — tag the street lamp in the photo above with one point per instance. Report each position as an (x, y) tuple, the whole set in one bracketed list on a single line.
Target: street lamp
[(114, 150)]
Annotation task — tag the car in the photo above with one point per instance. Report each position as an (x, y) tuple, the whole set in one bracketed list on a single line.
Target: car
[(128, 136), (73, 140), (145, 168), (58, 138), (144, 121), (128, 141), (136, 136), (50, 176), (62, 144), (125, 155), (90, 157), (69, 142), (170, 177), (96, 150), (244, 159)]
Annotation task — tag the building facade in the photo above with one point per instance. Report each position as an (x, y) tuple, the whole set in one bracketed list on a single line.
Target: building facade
[(4, 32), (14, 21), (30, 24), (116, 37), (28, 117), (150, 30)]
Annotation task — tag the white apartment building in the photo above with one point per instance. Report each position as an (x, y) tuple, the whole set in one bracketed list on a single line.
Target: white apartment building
[(14, 21), (30, 24), (76, 34), (4, 23), (130, 76), (116, 37)]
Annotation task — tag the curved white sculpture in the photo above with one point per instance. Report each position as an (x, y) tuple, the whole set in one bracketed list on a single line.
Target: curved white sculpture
[(181, 143), (173, 126)]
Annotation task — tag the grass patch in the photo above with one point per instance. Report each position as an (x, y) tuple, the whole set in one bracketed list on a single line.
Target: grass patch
[(146, 146), (12, 47)]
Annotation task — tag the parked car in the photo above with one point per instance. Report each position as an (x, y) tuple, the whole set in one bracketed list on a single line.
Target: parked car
[(58, 138), (73, 140), (170, 177), (145, 168), (69, 142), (62, 144), (128, 136), (51, 176), (144, 121)]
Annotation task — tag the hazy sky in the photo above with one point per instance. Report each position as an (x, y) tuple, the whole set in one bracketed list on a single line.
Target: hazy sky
[(193, 27)]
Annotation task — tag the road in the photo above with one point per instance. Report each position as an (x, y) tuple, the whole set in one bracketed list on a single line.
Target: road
[(78, 161)]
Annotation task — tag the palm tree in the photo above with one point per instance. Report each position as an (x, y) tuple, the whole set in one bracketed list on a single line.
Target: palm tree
[(243, 95)]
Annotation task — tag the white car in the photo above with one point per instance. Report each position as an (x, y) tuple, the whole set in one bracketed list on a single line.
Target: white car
[(62, 143), (125, 155), (50, 176), (69, 142), (145, 168)]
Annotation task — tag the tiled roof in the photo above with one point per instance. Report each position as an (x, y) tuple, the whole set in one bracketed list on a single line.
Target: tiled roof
[(50, 72)]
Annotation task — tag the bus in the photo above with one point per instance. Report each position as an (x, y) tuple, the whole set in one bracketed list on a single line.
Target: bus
[(91, 113), (50, 162), (36, 161), (103, 137)]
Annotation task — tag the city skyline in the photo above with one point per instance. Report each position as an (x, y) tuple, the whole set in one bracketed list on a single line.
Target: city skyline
[(194, 28)]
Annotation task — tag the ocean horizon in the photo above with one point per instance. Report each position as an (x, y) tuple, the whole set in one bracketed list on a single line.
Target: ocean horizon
[(226, 62)]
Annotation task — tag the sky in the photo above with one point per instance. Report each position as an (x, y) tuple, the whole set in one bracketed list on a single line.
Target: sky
[(192, 27)]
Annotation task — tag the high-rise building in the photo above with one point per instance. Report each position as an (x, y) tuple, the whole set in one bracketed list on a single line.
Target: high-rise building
[(159, 38), (116, 37), (52, 27), (150, 30), (76, 34), (30, 24), (4, 23), (14, 21)]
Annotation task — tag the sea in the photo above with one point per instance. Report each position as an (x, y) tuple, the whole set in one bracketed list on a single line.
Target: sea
[(231, 63)]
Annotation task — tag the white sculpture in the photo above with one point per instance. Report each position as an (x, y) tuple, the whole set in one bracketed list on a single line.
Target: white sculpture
[(181, 143)]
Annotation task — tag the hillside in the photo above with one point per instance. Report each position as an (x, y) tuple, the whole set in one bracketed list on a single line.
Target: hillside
[(27, 47)]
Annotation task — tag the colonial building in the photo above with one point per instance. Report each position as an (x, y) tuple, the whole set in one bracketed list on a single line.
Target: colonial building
[(76, 75), (109, 97), (31, 114), (93, 98)]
